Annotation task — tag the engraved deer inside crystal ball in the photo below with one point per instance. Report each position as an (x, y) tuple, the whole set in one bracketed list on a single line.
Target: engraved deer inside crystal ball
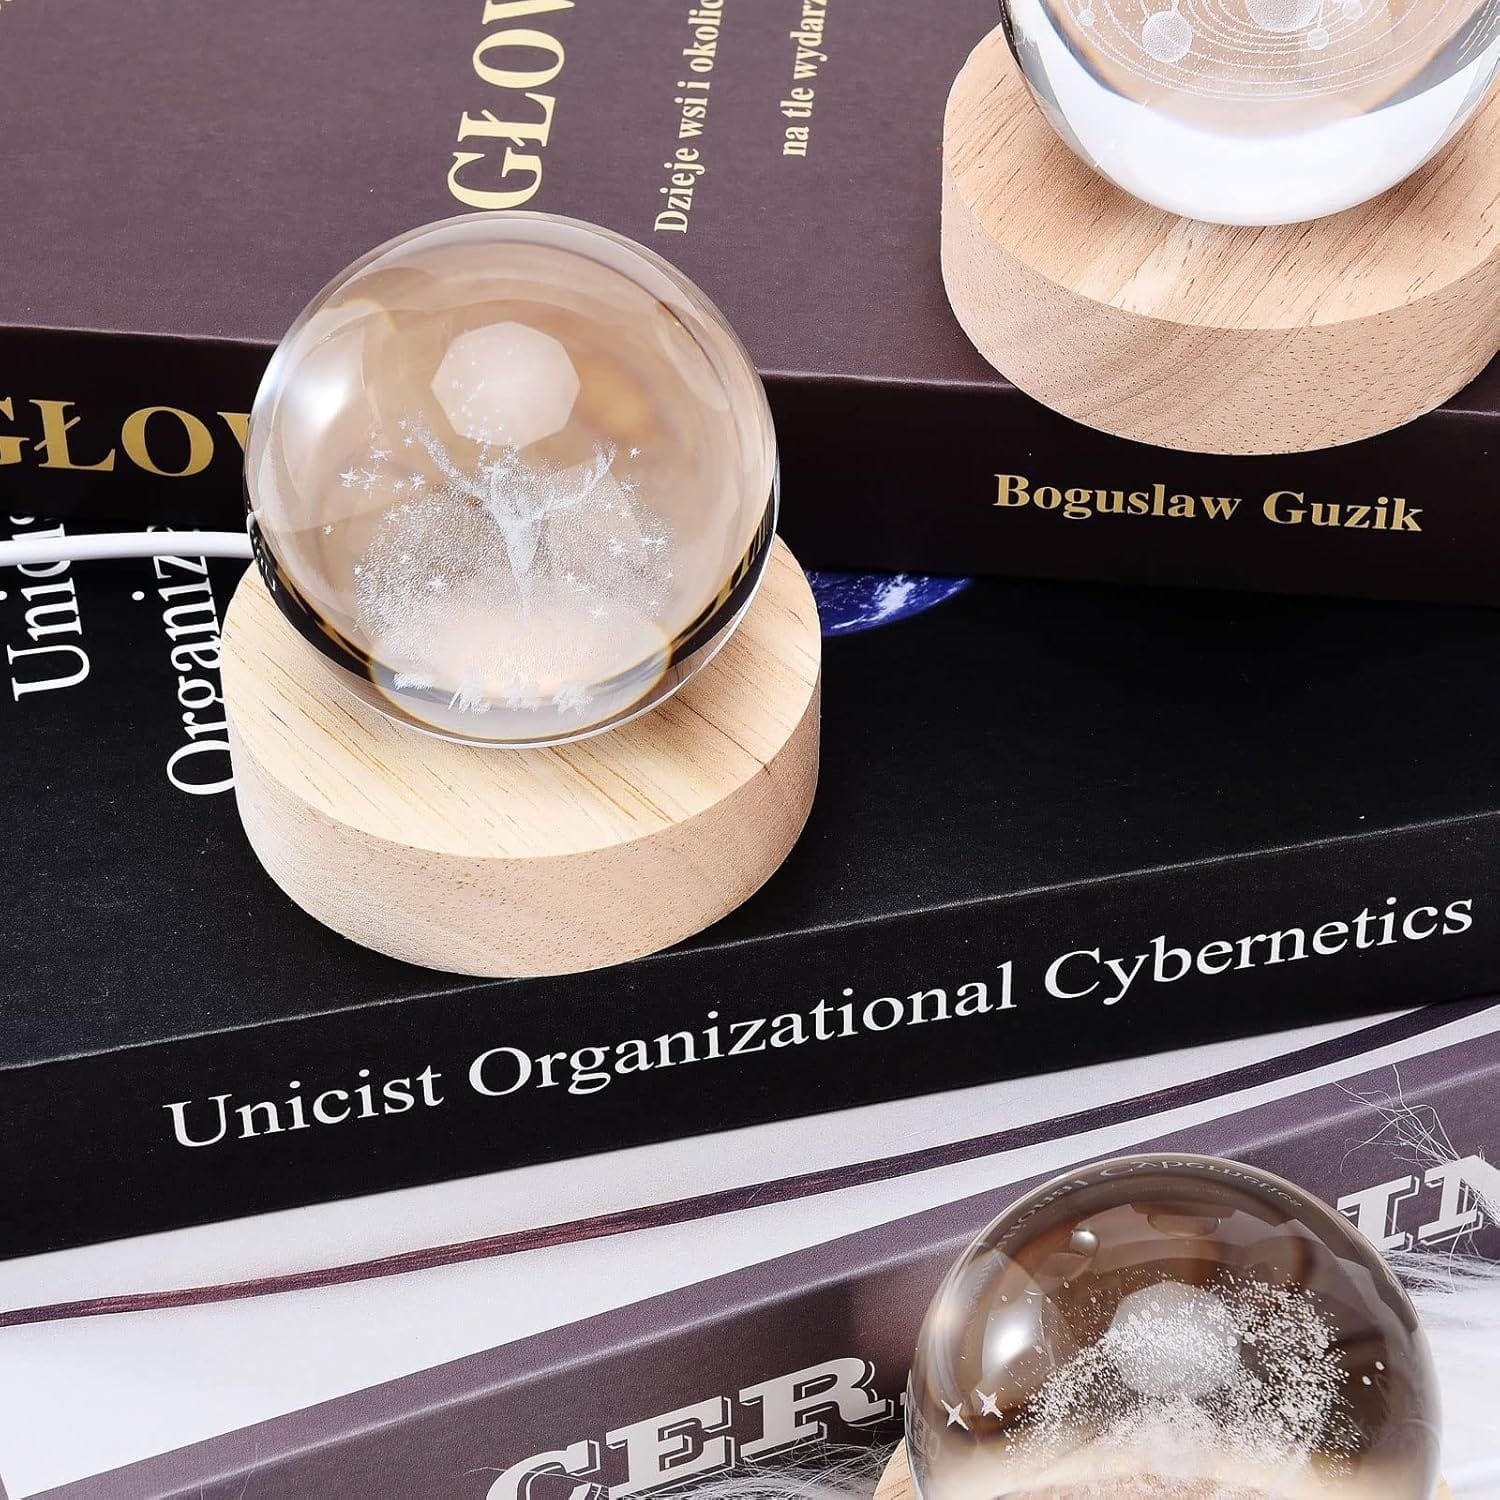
[(1172, 1328), (514, 476), (1256, 111)]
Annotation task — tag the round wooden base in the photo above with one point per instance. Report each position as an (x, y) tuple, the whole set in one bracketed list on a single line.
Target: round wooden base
[(896, 1483), (525, 862), (1201, 336)]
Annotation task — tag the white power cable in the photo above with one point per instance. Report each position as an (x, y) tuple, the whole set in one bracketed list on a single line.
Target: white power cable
[(29, 551), (1480, 1479)]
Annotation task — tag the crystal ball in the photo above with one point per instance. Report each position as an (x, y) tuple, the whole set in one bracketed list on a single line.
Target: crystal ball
[(514, 476), (1256, 111), (1172, 1328)]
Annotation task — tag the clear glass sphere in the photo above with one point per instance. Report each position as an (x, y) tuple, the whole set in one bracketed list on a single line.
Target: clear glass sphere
[(1172, 1328), (514, 476), (1256, 111)]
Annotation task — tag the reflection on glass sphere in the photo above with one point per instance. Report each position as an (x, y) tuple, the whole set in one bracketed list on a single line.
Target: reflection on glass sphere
[(514, 475), (1256, 111), (1172, 1328)]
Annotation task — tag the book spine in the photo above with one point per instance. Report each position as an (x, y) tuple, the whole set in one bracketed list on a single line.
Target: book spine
[(984, 480), (966, 480), (497, 1075), (137, 428), (766, 1365)]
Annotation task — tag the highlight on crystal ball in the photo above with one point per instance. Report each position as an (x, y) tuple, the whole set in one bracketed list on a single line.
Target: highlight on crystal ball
[(514, 476), (1256, 111), (1172, 1328)]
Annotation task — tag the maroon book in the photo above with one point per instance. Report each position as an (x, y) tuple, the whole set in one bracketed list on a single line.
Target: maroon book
[(181, 180), (1394, 1123)]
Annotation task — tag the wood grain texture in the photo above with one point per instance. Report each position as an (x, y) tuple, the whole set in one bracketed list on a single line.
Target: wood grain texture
[(896, 1483), (1203, 336), (524, 862)]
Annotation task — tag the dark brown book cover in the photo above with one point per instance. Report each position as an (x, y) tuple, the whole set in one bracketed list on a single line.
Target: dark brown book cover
[(181, 179)]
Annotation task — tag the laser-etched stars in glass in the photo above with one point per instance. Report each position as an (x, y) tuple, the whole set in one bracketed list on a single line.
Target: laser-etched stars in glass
[(1172, 1328), (514, 475)]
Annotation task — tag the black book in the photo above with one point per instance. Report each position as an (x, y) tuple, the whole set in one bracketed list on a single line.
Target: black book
[(1055, 825)]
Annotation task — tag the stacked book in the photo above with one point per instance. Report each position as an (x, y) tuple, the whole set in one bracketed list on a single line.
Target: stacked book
[(1093, 866), (243, 169), (1056, 825), (671, 1314)]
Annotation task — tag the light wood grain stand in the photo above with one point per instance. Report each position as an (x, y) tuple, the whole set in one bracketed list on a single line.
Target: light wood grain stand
[(896, 1483), (1201, 336), (524, 862)]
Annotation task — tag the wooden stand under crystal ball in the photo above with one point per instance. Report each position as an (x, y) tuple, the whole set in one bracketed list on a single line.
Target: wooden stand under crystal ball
[(524, 862), (1202, 336), (896, 1483)]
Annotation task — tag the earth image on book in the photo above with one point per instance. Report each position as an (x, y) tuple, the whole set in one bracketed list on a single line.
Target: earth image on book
[(848, 602)]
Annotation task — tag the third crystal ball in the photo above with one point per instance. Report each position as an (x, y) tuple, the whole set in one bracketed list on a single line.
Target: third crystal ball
[(1172, 1328)]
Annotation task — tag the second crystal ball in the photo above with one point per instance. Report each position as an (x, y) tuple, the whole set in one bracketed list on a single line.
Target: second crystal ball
[(1256, 111), (514, 476), (1172, 1328)]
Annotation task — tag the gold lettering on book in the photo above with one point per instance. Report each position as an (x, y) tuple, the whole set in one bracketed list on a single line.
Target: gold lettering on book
[(505, 169), (1280, 507), (1388, 513), (687, 165), (12, 445), (56, 425), (200, 441), (807, 66), (59, 436)]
